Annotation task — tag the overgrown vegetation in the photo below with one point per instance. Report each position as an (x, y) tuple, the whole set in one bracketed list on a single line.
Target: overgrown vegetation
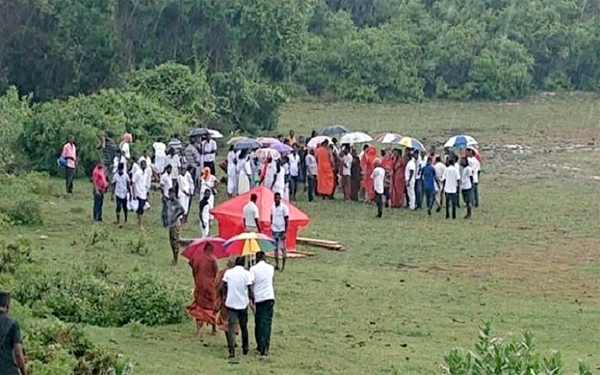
[(495, 355)]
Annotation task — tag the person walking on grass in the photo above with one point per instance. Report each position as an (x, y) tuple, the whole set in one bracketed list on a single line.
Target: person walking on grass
[(204, 214), (280, 214), (294, 168), (440, 168), (311, 174), (450, 185), (166, 184), (69, 153), (410, 176), (237, 286), (12, 359), (251, 220), (466, 186), (121, 187), (174, 213), (100, 185), (476, 167), (140, 192), (264, 299), (378, 177), (429, 185)]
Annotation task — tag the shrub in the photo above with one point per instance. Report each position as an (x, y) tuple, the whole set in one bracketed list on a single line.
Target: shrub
[(14, 254), (23, 212), (493, 355)]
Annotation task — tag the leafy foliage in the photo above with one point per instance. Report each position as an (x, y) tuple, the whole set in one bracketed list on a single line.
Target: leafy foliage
[(493, 355)]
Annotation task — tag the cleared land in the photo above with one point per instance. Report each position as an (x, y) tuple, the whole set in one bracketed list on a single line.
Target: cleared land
[(530, 258)]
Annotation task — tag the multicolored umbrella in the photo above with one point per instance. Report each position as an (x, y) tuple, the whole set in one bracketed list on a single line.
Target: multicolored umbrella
[(282, 148), (234, 140), (355, 137), (332, 130), (316, 141), (198, 246), (388, 138), (412, 143), (461, 141), (267, 141), (248, 244), (264, 153)]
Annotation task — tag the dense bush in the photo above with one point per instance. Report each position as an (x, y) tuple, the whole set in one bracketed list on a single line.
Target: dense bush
[(14, 254), (494, 355), (14, 113), (93, 300)]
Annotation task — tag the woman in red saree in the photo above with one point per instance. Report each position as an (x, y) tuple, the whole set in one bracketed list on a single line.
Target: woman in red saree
[(325, 174), (369, 164), (398, 182), (204, 269)]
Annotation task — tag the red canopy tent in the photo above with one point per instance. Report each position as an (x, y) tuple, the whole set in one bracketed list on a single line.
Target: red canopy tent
[(230, 217)]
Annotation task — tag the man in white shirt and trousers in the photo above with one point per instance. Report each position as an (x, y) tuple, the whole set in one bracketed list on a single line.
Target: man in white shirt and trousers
[(279, 225), (378, 176), (410, 176), (264, 299), (251, 219), (237, 287), (451, 186)]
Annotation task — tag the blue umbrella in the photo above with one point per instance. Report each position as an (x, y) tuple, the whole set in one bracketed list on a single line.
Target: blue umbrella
[(461, 141), (247, 144), (332, 130), (282, 148)]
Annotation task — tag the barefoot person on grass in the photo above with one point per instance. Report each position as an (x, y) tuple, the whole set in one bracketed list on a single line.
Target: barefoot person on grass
[(174, 213), (140, 191), (204, 270)]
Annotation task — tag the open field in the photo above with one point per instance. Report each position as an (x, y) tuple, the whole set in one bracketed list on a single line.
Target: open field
[(409, 287)]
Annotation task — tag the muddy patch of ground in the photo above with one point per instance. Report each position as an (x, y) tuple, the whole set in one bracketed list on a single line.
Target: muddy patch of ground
[(562, 270)]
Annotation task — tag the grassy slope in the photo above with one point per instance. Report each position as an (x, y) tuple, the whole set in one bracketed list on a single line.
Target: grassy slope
[(421, 285)]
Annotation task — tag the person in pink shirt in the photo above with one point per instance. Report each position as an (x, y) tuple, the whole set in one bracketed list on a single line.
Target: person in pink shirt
[(69, 153), (100, 186)]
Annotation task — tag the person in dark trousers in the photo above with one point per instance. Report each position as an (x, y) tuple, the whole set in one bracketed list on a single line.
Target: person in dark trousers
[(451, 186), (121, 188), (466, 185), (237, 287), (100, 185), (12, 359), (378, 177), (429, 184), (311, 174), (69, 153), (264, 299)]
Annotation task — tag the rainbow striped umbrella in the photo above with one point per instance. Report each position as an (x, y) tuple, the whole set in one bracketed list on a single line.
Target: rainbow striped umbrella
[(248, 244), (412, 143)]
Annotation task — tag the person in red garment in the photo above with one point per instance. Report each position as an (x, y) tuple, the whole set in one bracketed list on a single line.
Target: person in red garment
[(369, 164), (204, 270), (398, 182), (325, 175)]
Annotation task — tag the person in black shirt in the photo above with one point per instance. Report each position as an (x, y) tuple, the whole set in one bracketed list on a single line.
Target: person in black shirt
[(12, 360)]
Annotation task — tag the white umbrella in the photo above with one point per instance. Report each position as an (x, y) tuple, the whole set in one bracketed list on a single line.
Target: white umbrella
[(355, 137), (316, 141), (263, 153), (388, 138), (215, 133), (461, 141)]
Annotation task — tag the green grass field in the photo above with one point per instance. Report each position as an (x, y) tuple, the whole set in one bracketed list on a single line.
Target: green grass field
[(528, 260)]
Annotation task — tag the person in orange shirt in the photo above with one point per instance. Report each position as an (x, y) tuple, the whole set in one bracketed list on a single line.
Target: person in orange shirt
[(203, 307), (325, 171)]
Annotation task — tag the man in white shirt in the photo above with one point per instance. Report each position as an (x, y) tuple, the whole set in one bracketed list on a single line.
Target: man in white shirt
[(121, 185), (264, 299), (174, 160), (140, 191), (209, 153), (160, 156), (237, 287), (251, 215), (294, 166), (410, 176), (166, 184), (450, 185), (378, 177), (346, 172), (476, 167), (466, 185), (311, 174), (440, 168), (280, 214)]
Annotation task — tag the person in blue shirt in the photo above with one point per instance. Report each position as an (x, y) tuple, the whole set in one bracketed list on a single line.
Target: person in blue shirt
[(429, 183)]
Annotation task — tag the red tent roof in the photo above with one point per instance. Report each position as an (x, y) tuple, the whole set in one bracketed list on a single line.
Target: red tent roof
[(233, 208)]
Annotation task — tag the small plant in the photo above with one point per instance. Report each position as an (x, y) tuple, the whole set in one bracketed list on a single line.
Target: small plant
[(23, 212), (14, 254), (95, 236), (138, 247), (492, 355)]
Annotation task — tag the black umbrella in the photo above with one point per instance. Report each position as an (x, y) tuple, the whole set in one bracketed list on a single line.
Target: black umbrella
[(199, 132), (332, 130), (247, 144)]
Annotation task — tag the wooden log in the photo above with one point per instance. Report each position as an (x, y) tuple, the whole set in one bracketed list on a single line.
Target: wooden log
[(315, 241)]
